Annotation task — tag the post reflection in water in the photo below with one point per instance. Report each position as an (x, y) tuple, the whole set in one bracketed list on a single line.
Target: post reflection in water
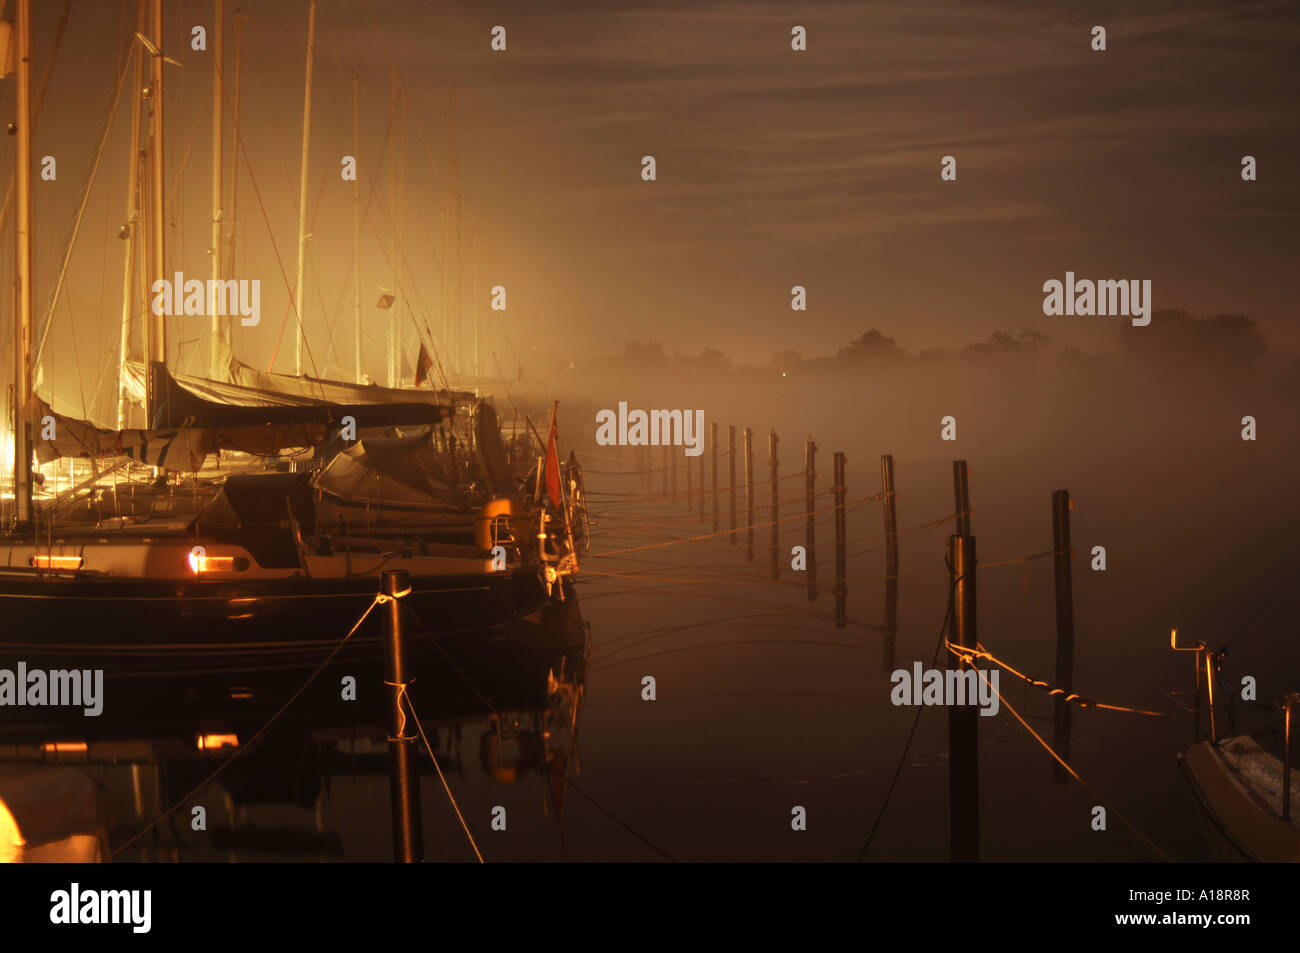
[(314, 784)]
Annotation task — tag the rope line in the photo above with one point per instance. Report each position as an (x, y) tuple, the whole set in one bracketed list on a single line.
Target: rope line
[(251, 741), (437, 767)]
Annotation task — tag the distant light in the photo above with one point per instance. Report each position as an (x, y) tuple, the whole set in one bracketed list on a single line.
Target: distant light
[(783, 373), (56, 562), (214, 742)]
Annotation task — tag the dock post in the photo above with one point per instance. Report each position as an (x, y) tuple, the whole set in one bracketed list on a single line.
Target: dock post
[(749, 494), (772, 441), (663, 472), (841, 546), (963, 720), (403, 779), (713, 444), (1061, 563), (810, 506), (701, 480), (672, 467), (690, 497), (891, 562), (961, 495), (731, 484)]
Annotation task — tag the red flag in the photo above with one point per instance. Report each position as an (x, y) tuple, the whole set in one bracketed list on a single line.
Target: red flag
[(423, 364), (553, 462)]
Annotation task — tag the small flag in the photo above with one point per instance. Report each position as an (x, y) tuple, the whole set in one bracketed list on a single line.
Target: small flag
[(423, 364), (553, 462)]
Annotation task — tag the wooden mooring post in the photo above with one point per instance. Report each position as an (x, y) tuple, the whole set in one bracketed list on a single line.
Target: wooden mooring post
[(963, 720), (749, 494), (701, 480), (663, 471), (772, 441), (713, 445), (841, 547), (810, 507), (891, 562), (1062, 571), (731, 483), (403, 778), (670, 459)]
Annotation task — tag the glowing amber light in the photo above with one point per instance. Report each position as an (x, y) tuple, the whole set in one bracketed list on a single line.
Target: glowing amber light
[(200, 564), (64, 747), (56, 562), (212, 742)]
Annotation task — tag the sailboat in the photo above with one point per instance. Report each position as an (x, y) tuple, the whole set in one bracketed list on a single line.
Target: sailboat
[(1247, 790), (266, 558)]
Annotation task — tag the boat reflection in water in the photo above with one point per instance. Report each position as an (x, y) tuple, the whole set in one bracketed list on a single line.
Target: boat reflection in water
[(80, 788)]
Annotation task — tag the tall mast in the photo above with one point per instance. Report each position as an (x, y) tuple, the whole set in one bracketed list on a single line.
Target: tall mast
[(132, 223), (217, 347), (23, 267), (401, 229), (158, 414), (234, 145), (356, 223), (392, 192), (299, 338), (453, 168)]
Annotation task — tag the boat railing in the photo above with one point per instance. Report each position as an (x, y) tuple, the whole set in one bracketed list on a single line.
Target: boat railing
[(1287, 704)]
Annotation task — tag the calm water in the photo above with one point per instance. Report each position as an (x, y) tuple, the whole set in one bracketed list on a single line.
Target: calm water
[(763, 705)]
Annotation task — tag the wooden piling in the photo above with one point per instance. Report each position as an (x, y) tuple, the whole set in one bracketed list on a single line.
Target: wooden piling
[(1062, 570), (663, 471), (749, 494), (690, 497), (772, 441), (403, 779), (841, 546), (891, 562), (713, 445), (810, 506), (701, 480), (671, 462), (731, 483), (961, 495), (963, 720)]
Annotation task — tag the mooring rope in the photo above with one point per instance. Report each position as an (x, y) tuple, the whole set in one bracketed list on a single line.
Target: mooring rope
[(256, 737), (437, 767)]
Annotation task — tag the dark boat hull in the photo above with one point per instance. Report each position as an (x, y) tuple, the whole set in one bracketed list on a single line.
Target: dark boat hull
[(198, 646)]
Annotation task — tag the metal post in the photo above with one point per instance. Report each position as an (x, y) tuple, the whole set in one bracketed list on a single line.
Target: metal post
[(963, 720), (810, 505), (841, 550), (404, 780), (891, 562), (961, 495), (1061, 563), (731, 484), (772, 441)]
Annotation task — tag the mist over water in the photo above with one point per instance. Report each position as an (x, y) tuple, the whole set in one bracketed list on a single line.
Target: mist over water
[(1196, 522)]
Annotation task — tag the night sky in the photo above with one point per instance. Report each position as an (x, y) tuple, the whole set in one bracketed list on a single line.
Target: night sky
[(775, 168)]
